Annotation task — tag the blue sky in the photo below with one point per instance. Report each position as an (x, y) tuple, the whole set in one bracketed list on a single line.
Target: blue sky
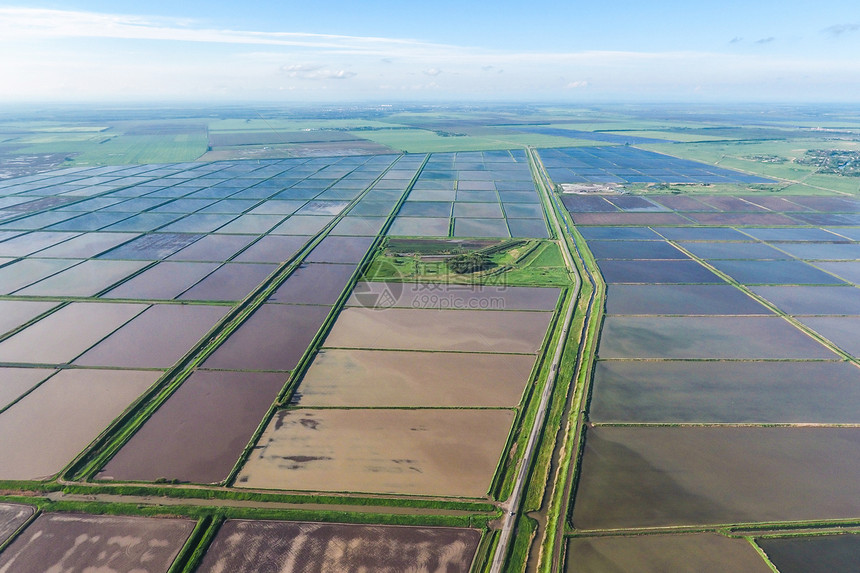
[(330, 50)]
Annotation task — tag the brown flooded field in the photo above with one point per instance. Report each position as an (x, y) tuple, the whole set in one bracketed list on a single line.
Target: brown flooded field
[(13, 516), (729, 392), (830, 553), (96, 543), (659, 476), (16, 381), (706, 337), (156, 338), (480, 297), (233, 281), (199, 433), (65, 334), (391, 378), (680, 299), (45, 430), (292, 547), (451, 330), (273, 338), (164, 281), (273, 249), (340, 250), (427, 452), (14, 313), (314, 283), (688, 553)]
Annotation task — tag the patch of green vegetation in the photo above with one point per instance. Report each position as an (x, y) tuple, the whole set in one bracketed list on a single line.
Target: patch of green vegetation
[(516, 262), (744, 156), (101, 149), (433, 141)]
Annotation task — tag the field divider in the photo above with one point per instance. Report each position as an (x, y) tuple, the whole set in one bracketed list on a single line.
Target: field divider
[(99, 452), (201, 528)]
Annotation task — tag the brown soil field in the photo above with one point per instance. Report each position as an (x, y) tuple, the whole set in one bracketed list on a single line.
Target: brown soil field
[(156, 338), (428, 452), (357, 378), (90, 543), (199, 433), (700, 553), (65, 334), (44, 431), (451, 330), (291, 547), (659, 476), (13, 516)]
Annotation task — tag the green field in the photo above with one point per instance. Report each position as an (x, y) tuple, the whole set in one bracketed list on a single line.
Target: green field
[(509, 263)]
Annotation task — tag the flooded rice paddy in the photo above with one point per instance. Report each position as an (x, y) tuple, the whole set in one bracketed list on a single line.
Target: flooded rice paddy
[(442, 330), (659, 476), (273, 338), (198, 434), (693, 372), (831, 553), (429, 452), (747, 337), (13, 516), (47, 428), (80, 542), (367, 378), (685, 553), (291, 547), (728, 392)]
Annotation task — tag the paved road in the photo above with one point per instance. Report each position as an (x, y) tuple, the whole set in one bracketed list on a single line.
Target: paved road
[(511, 506)]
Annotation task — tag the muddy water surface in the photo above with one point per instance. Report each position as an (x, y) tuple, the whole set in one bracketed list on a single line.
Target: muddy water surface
[(41, 433), (430, 452), (391, 378)]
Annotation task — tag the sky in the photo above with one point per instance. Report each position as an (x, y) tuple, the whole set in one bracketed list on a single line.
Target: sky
[(389, 52)]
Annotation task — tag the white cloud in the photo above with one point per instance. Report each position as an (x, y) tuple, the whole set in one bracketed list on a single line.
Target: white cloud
[(315, 72), (56, 54)]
